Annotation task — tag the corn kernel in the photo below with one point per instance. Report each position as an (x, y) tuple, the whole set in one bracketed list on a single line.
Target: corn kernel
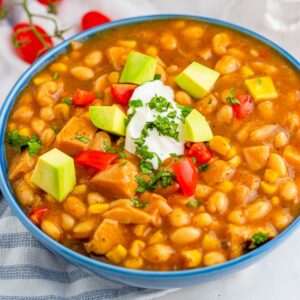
[(41, 79), (26, 131), (134, 263), (117, 254), (11, 126), (136, 247), (152, 51), (50, 199), (58, 67), (140, 230), (275, 201), (268, 188), (225, 186), (220, 145), (127, 43), (192, 258), (158, 237), (79, 189), (210, 242), (271, 175), (98, 208), (113, 77), (63, 110), (246, 71), (231, 154), (235, 161)]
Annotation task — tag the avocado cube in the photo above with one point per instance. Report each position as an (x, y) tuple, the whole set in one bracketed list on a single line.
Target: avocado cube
[(196, 128), (139, 68), (197, 80), (54, 173), (261, 88), (108, 118)]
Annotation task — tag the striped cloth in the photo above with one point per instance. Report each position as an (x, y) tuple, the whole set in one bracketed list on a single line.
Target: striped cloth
[(28, 271)]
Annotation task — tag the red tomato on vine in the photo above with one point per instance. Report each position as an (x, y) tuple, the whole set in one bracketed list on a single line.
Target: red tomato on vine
[(92, 19), (30, 43)]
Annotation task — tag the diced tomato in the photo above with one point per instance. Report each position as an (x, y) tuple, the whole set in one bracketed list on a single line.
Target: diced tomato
[(95, 159), (92, 19), (36, 215), (82, 98), (27, 45), (200, 152), (122, 92), (49, 2), (264, 53), (186, 175), (245, 108)]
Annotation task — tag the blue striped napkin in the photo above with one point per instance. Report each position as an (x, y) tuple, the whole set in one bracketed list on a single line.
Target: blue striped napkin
[(28, 271)]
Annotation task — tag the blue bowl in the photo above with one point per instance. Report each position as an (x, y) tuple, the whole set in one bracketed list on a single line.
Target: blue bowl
[(146, 279)]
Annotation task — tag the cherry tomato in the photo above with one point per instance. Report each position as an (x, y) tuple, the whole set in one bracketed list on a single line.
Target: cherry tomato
[(36, 215), (27, 45), (92, 19), (122, 92), (245, 108), (49, 2), (95, 159), (200, 152), (82, 98), (186, 175)]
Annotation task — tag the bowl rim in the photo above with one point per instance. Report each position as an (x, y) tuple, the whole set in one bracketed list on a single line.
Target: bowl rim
[(83, 260)]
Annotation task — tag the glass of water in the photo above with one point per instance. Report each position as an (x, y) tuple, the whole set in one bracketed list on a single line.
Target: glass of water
[(283, 15)]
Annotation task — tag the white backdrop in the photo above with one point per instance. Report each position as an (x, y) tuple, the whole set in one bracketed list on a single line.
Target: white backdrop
[(277, 276)]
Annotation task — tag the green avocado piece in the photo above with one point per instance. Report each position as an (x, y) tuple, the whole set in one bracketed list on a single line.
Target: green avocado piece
[(197, 80), (196, 128), (54, 173), (108, 118), (261, 88), (139, 68)]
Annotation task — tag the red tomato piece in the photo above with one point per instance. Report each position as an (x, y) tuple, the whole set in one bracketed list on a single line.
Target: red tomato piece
[(186, 175), (82, 98), (49, 2), (92, 19), (36, 215), (122, 92), (200, 152), (27, 45), (95, 159), (264, 53), (245, 108)]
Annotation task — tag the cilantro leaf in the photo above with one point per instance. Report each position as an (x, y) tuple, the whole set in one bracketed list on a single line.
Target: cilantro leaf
[(260, 238), (159, 103), (203, 167), (55, 75), (157, 76), (15, 140), (138, 204), (193, 203), (67, 101), (82, 138), (136, 103), (109, 149), (231, 98), (185, 111)]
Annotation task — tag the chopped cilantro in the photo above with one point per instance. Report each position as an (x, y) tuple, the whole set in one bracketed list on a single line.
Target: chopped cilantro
[(160, 104), (15, 140), (231, 98), (193, 203), (109, 149), (82, 138), (146, 166), (136, 103), (203, 168), (157, 76), (185, 111), (260, 238), (172, 114), (55, 75), (173, 155), (138, 204), (160, 178), (55, 128), (166, 127), (67, 101), (99, 95)]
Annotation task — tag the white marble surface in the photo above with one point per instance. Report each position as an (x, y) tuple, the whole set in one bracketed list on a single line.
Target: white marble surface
[(277, 276)]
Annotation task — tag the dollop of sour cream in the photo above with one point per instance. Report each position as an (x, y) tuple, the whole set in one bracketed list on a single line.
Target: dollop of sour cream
[(162, 145)]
